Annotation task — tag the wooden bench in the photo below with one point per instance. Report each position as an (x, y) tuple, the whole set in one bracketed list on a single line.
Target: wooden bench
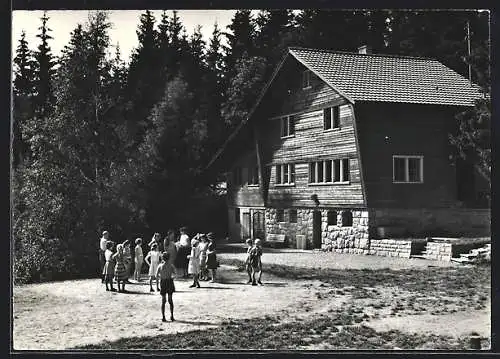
[(274, 240)]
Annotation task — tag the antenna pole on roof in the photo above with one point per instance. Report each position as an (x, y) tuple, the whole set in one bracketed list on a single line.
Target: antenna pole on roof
[(468, 51)]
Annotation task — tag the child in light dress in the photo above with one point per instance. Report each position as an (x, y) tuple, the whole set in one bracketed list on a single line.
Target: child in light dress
[(203, 257), (194, 263), (120, 269), (248, 265), (165, 272), (138, 259), (109, 266), (153, 262)]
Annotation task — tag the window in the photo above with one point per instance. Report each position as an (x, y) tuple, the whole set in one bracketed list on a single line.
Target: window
[(285, 174), (346, 219), (280, 215), (236, 215), (306, 79), (287, 126), (253, 176), (331, 118), (237, 176), (329, 171), (292, 215), (408, 169), (332, 218)]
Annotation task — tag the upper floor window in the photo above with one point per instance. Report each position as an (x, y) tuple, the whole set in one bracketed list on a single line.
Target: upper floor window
[(331, 118), (329, 171), (287, 126), (408, 169), (253, 176), (285, 174), (237, 176), (306, 79)]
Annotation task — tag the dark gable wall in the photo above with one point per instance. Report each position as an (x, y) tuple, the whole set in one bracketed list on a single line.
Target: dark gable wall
[(244, 195), (286, 96), (411, 129)]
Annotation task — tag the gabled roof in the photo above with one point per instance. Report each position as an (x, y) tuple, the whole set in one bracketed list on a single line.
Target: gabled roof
[(387, 78), (378, 78)]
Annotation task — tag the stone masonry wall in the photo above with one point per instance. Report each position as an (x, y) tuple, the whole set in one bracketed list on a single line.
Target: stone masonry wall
[(391, 247), (303, 226), (352, 239)]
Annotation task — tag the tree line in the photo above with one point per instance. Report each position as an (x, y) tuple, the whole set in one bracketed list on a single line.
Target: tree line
[(99, 142)]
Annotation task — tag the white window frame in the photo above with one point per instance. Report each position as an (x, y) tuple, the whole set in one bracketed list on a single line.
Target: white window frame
[(306, 79), (407, 169), (322, 163), (289, 120), (332, 118), (286, 167)]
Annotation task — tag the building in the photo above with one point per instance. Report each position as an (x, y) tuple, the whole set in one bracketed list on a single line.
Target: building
[(343, 147)]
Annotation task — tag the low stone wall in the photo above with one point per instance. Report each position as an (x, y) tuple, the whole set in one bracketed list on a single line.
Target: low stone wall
[(439, 251), (391, 247)]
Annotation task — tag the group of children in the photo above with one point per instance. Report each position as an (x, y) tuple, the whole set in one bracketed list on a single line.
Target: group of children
[(162, 268)]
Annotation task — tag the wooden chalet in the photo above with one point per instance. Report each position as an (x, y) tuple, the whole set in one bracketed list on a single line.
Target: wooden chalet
[(343, 147)]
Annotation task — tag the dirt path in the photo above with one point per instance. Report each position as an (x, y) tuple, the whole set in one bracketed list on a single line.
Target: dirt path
[(62, 315)]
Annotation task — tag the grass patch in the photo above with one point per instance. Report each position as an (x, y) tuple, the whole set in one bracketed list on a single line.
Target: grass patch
[(414, 291), (337, 332)]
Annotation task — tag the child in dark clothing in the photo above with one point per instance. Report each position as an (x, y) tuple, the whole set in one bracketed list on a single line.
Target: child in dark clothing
[(165, 272)]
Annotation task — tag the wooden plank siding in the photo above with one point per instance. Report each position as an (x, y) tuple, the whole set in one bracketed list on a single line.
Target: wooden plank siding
[(385, 130), (244, 195), (310, 142)]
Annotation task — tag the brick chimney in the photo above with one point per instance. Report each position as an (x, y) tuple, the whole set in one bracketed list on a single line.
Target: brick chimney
[(364, 49)]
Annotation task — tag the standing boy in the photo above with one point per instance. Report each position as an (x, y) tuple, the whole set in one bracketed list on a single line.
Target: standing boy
[(165, 272), (102, 249), (256, 262)]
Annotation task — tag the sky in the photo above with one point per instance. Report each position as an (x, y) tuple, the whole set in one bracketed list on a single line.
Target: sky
[(123, 31)]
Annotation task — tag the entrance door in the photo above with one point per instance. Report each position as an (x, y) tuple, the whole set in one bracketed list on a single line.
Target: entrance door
[(316, 229), (258, 224), (245, 226)]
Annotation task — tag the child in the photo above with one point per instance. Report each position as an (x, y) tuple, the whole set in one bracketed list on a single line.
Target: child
[(156, 239), (154, 260), (138, 259), (255, 261), (109, 266), (203, 257), (128, 258), (194, 262), (120, 270), (249, 243), (212, 263), (165, 272)]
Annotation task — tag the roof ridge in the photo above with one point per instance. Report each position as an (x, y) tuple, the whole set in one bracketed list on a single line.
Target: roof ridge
[(356, 53)]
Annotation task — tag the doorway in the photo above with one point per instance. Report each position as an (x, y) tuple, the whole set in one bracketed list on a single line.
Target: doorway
[(258, 225), (316, 229), (245, 225)]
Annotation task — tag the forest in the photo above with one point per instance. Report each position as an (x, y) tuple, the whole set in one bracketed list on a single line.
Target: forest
[(102, 142)]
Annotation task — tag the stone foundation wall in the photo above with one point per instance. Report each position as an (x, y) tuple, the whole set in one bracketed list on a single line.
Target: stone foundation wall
[(391, 247), (304, 225), (427, 222), (352, 239)]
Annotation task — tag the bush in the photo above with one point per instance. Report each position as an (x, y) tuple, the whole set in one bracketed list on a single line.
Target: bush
[(42, 260)]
